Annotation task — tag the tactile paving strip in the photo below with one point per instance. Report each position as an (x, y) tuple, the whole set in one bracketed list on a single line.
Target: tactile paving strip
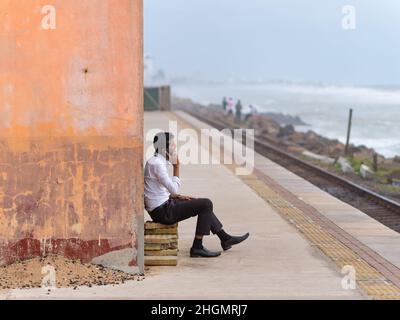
[(369, 280)]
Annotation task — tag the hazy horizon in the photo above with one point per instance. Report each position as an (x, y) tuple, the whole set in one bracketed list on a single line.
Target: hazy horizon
[(267, 40)]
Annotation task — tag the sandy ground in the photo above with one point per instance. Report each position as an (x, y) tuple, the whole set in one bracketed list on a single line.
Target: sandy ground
[(35, 273)]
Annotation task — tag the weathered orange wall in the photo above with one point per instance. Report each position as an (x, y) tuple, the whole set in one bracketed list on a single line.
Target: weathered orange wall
[(71, 129)]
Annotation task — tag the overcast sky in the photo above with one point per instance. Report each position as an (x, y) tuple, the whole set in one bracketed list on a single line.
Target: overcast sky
[(300, 40)]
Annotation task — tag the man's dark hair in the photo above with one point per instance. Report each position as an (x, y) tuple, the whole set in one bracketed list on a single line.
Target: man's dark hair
[(161, 142)]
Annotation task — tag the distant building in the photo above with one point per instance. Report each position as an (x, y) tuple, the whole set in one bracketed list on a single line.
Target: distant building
[(157, 98)]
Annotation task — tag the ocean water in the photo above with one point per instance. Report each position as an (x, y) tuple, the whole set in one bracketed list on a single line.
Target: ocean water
[(376, 111)]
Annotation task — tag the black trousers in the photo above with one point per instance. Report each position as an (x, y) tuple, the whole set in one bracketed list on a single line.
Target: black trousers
[(175, 210)]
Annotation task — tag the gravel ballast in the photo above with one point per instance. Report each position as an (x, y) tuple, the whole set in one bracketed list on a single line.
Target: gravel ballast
[(34, 273)]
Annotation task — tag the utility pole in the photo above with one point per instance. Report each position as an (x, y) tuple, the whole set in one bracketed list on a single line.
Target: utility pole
[(346, 150), (375, 162)]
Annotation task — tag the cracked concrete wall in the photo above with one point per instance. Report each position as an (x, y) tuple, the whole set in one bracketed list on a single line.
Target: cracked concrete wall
[(71, 129)]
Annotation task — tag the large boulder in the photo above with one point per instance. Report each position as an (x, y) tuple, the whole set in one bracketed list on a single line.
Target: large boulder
[(264, 124), (311, 136), (286, 131), (366, 172), (318, 157), (297, 137), (345, 165)]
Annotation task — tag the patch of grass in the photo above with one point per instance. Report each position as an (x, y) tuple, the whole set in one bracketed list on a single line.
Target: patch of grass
[(337, 167), (357, 162), (380, 176), (387, 188)]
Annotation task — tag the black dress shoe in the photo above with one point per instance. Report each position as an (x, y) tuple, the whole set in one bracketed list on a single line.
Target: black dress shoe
[(226, 245), (203, 252)]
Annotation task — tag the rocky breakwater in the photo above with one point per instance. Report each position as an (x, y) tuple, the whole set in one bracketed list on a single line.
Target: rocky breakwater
[(361, 164)]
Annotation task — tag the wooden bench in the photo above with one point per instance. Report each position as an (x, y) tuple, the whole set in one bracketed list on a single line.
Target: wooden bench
[(160, 244)]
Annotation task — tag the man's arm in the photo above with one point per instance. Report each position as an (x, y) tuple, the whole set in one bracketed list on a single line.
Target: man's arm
[(176, 167), (171, 184), (181, 197)]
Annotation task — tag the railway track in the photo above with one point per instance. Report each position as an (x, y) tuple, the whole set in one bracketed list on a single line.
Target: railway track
[(376, 206)]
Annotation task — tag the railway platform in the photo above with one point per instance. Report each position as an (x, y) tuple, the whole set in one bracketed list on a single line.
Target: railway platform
[(304, 243)]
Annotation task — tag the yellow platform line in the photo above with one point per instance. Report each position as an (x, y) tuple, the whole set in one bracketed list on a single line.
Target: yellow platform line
[(369, 280)]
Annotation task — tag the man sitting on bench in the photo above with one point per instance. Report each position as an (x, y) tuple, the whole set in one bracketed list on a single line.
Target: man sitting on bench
[(166, 206)]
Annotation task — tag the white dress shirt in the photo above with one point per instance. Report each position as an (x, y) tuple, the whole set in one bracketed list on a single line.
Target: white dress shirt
[(158, 185)]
